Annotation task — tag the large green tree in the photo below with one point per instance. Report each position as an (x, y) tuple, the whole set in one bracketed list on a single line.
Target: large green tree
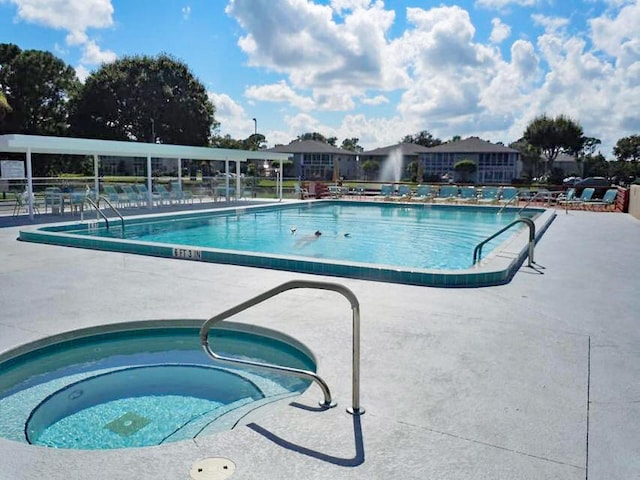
[(530, 157), (553, 136), (318, 137), (423, 138), (351, 144), (37, 86), (144, 99), (628, 148)]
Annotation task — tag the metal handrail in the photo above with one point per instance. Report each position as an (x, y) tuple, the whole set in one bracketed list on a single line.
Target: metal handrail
[(477, 252), (515, 197), (355, 408), (538, 194), (115, 210), (94, 205)]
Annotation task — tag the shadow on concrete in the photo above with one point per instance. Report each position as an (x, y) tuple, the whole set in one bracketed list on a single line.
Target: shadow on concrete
[(358, 458)]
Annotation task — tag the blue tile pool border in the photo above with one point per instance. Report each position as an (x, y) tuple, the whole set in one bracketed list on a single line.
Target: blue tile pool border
[(497, 268)]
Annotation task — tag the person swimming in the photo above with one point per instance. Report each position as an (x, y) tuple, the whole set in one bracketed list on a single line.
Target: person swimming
[(308, 239)]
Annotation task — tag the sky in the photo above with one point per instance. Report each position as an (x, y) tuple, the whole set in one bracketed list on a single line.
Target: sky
[(371, 69)]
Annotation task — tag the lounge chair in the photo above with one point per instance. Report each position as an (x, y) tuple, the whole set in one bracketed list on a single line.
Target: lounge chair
[(404, 192), (488, 195), (608, 200), (165, 195), (567, 197), (423, 193), (116, 198), (133, 197), (447, 193), (144, 194), (509, 195), (386, 191), (180, 194), (468, 195)]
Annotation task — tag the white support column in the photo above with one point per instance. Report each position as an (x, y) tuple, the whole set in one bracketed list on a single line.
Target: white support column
[(29, 184), (149, 183), (281, 174), (96, 179), (226, 179), (238, 183), (180, 172)]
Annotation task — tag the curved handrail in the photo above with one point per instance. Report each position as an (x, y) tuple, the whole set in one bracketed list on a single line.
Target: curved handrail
[(355, 408), (94, 205), (115, 210), (514, 198), (477, 252)]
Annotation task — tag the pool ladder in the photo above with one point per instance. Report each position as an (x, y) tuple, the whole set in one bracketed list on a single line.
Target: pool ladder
[(355, 408), (477, 252), (96, 206)]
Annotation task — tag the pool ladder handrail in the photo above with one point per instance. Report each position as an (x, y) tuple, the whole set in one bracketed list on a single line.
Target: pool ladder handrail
[(477, 252), (355, 408), (538, 194), (512, 199), (96, 206)]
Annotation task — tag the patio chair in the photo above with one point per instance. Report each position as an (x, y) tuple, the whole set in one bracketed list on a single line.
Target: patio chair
[(386, 191), (488, 195), (23, 203), (53, 199), (423, 193), (144, 194), (116, 198), (165, 196), (404, 192), (77, 199), (608, 200), (133, 197), (180, 194), (468, 195), (567, 197), (447, 193), (509, 195)]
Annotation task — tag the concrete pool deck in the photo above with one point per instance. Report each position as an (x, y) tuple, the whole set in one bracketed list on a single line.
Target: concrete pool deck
[(534, 379)]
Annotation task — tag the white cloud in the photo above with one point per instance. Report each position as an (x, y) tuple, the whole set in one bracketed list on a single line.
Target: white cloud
[(550, 24), (93, 55), (279, 92), (501, 4), (186, 12), (500, 31), (82, 73), (70, 15), (232, 116), (74, 16), (303, 41), (377, 100)]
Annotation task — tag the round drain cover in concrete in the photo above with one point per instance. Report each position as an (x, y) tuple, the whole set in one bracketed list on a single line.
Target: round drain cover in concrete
[(212, 469)]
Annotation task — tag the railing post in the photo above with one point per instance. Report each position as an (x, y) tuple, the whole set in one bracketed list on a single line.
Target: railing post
[(355, 408)]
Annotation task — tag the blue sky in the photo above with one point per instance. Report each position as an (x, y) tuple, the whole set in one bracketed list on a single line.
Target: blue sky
[(368, 69)]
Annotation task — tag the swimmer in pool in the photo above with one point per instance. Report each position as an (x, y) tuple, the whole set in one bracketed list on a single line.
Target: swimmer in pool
[(308, 239)]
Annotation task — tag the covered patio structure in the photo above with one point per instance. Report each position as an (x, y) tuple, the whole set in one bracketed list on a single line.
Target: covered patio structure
[(30, 144)]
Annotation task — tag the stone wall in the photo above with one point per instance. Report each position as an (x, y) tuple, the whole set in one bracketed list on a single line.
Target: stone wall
[(634, 201)]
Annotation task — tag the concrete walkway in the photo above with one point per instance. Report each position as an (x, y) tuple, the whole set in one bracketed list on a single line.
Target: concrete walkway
[(537, 379)]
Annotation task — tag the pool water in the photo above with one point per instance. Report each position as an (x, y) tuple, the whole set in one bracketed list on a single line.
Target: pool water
[(414, 236), (138, 388)]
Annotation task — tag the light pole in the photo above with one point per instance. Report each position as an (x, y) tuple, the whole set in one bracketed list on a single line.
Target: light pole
[(255, 126)]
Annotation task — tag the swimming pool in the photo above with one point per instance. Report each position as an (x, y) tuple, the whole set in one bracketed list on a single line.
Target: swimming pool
[(140, 384), (420, 244)]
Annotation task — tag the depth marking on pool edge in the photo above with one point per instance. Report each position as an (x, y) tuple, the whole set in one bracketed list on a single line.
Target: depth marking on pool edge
[(190, 253)]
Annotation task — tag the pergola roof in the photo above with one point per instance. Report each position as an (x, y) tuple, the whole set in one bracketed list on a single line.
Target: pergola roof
[(83, 146)]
